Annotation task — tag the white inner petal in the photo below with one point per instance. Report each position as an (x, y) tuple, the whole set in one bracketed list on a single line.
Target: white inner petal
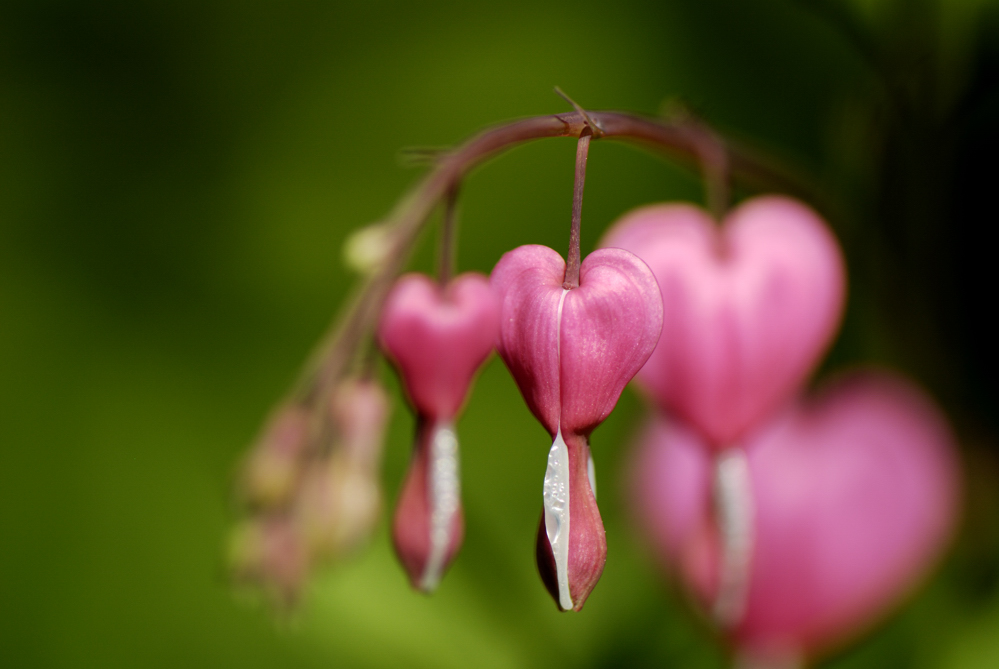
[(556, 488), (733, 496), (444, 486), (556, 501)]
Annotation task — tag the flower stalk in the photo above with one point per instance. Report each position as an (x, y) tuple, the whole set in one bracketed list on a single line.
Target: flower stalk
[(684, 138)]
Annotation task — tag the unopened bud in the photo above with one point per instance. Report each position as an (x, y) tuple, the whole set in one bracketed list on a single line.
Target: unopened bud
[(269, 552), (340, 498), (272, 469), (338, 506), (368, 248), (359, 409)]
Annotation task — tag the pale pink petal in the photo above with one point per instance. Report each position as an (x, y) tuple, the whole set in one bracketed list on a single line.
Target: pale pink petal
[(749, 307)]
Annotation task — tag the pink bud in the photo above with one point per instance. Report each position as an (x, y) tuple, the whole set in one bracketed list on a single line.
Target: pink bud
[(339, 498), (748, 307), (270, 553), (359, 410), (571, 353), (850, 498), (438, 338), (273, 466)]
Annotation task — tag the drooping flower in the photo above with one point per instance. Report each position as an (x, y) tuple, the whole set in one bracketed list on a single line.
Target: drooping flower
[(749, 307), (850, 498), (438, 338), (571, 352)]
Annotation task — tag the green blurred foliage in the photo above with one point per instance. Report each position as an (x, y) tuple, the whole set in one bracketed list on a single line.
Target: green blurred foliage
[(176, 182)]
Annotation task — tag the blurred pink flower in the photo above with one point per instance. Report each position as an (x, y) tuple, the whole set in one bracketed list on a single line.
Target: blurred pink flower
[(851, 496), (748, 307), (438, 338), (571, 352)]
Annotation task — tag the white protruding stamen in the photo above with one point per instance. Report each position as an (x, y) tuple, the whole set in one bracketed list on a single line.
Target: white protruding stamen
[(556, 501), (444, 486), (733, 497), (556, 489)]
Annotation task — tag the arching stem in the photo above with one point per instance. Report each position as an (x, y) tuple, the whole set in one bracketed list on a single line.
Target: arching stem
[(449, 236), (683, 139)]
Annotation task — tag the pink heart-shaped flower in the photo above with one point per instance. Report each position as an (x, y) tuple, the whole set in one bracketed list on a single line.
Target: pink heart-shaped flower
[(853, 494), (438, 338), (571, 353), (748, 307)]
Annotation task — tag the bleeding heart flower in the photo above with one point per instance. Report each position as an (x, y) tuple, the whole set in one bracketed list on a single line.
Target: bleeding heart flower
[(437, 338), (748, 307), (850, 497), (571, 352)]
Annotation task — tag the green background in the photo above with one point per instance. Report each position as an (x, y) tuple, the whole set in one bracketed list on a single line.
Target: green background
[(176, 183)]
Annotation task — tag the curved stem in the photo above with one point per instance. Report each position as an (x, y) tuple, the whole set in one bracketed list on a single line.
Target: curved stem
[(449, 237), (684, 139), (573, 258)]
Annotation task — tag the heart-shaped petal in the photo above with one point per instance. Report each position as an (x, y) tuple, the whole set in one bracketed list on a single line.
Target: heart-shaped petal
[(572, 352), (854, 495), (528, 283), (439, 338), (749, 307)]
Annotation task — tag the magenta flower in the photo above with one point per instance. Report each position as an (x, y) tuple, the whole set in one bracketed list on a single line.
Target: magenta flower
[(437, 338), (749, 307), (849, 497), (571, 352)]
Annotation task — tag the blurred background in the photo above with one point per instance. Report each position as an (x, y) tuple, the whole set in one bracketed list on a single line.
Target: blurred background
[(176, 182)]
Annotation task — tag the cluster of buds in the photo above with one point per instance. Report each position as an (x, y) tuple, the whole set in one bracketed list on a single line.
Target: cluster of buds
[(310, 487), (792, 521)]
